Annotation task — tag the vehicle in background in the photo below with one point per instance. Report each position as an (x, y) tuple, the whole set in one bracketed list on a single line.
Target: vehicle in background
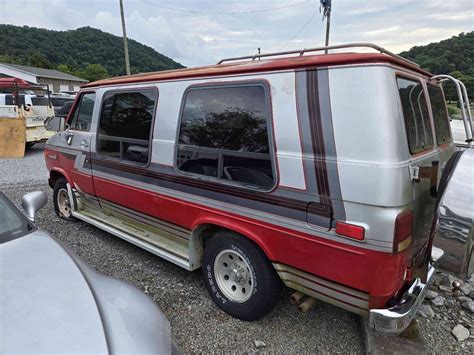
[(318, 171), (70, 93), (58, 101), (23, 110), (459, 132), (455, 215), (64, 110), (52, 302)]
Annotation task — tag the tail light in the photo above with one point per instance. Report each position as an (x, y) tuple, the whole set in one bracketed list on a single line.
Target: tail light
[(350, 230), (402, 233)]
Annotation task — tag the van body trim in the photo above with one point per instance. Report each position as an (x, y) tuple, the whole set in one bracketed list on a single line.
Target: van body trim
[(331, 292)]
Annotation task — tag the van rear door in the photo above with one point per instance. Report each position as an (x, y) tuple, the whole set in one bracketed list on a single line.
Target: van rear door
[(429, 147)]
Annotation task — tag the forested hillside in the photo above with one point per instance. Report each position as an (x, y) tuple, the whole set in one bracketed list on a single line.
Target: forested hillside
[(76, 50), (454, 56)]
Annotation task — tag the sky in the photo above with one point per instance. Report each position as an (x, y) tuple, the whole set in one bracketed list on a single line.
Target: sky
[(205, 31)]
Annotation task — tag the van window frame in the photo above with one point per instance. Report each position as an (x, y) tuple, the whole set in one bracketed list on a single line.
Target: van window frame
[(428, 84), (76, 105), (270, 131), (406, 76), (152, 128)]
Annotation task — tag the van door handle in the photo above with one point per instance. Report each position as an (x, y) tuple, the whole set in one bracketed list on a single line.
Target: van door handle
[(84, 144), (69, 136)]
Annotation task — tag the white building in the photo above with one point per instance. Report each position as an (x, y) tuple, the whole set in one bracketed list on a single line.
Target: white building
[(57, 80)]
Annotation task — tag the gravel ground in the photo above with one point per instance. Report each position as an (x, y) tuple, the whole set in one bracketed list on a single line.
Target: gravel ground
[(450, 308), (197, 323)]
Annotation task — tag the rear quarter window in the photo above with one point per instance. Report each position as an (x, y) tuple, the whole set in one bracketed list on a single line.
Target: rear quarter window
[(440, 115), (415, 115)]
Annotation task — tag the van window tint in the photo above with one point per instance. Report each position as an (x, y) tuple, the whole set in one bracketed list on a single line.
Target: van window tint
[(224, 135), (125, 125), (415, 114), (440, 115), (82, 116)]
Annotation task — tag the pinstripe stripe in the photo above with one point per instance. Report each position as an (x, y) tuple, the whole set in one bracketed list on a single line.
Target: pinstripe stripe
[(334, 187), (318, 143)]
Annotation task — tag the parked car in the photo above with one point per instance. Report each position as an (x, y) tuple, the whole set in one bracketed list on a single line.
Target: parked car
[(59, 101), (52, 302), (455, 217), (459, 132), (318, 171), (63, 111)]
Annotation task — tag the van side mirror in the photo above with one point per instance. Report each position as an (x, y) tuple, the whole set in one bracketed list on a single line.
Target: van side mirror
[(32, 202), (54, 124)]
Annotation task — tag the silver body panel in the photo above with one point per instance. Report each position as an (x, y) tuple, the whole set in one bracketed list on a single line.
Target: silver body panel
[(455, 224), (51, 302)]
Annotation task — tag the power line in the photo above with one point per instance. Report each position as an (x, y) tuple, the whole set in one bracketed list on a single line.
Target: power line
[(227, 13), (297, 33)]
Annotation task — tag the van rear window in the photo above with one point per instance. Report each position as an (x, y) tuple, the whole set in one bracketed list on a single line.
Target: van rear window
[(440, 115), (415, 114), (224, 135)]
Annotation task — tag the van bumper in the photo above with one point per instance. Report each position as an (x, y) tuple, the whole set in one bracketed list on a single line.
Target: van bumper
[(396, 319)]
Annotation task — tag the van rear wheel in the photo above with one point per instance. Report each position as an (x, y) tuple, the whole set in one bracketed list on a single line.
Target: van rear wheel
[(239, 277), (62, 203)]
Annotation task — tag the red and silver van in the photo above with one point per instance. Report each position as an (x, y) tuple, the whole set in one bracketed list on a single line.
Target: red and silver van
[(315, 171)]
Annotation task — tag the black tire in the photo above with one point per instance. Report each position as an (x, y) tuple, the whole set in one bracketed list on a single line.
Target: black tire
[(59, 187), (267, 285)]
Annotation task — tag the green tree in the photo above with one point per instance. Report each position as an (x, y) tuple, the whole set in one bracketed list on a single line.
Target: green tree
[(65, 69), (39, 60), (93, 72)]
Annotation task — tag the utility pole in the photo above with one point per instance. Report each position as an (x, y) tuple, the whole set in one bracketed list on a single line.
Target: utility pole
[(326, 9), (125, 42)]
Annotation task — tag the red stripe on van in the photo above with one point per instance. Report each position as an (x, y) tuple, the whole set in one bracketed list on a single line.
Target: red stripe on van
[(341, 263)]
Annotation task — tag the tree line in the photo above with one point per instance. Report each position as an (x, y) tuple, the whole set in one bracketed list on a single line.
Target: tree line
[(85, 52), (453, 56)]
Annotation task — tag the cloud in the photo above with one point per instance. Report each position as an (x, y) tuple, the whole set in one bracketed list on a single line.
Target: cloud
[(197, 39)]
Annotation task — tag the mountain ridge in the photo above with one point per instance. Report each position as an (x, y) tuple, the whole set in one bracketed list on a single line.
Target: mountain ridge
[(75, 49)]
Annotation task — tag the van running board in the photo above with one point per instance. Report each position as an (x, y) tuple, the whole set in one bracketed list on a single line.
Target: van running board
[(155, 243), (175, 259)]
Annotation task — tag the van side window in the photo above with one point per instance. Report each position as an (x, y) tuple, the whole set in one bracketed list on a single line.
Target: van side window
[(440, 115), (82, 116), (415, 114), (125, 125), (224, 135)]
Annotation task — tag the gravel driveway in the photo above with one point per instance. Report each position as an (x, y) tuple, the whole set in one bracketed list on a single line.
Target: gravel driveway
[(197, 323)]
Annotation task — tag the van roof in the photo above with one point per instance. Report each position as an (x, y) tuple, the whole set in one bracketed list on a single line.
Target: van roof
[(254, 66)]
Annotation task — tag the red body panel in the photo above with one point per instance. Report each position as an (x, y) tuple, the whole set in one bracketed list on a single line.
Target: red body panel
[(379, 274)]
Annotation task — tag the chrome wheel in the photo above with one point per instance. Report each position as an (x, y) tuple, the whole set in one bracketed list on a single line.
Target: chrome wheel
[(64, 204), (233, 276)]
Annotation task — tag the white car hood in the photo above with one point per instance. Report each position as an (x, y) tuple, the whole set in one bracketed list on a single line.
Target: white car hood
[(46, 304)]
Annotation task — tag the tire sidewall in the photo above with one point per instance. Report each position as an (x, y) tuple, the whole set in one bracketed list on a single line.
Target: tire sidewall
[(60, 184), (258, 304)]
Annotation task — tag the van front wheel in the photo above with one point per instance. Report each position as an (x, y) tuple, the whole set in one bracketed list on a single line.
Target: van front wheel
[(239, 277), (62, 204)]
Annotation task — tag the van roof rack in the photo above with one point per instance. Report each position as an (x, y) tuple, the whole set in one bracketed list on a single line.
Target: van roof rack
[(319, 49)]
